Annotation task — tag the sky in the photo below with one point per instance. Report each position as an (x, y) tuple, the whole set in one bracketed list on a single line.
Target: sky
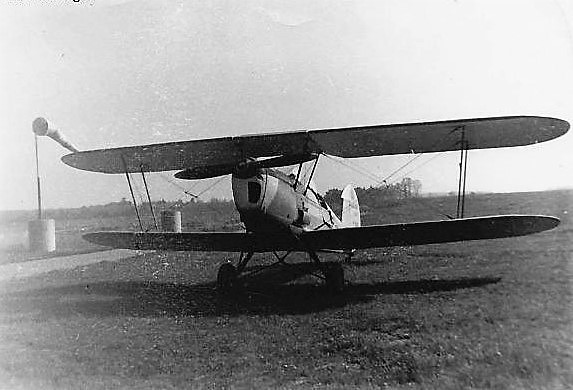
[(111, 73)]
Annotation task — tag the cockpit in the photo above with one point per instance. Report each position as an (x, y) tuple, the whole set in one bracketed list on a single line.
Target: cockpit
[(254, 190)]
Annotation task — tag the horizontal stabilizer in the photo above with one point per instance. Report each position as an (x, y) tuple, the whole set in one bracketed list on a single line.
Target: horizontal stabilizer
[(377, 236), (217, 156)]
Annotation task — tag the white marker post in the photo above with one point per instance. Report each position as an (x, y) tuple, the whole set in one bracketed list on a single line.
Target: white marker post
[(42, 232), (171, 221)]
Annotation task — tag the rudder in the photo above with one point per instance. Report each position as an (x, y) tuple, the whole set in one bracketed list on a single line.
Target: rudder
[(350, 207)]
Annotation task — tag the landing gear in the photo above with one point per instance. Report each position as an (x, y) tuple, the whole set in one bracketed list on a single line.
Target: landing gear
[(228, 275), (348, 256), (227, 278), (334, 275)]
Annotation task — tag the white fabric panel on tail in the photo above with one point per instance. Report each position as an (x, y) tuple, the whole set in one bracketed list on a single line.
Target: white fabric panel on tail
[(350, 208)]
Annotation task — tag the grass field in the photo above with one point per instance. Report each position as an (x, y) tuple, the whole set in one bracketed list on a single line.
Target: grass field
[(491, 314)]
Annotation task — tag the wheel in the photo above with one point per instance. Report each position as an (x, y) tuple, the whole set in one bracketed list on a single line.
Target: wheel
[(227, 278), (335, 278)]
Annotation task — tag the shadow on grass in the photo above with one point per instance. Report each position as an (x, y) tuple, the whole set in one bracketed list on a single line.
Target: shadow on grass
[(156, 299)]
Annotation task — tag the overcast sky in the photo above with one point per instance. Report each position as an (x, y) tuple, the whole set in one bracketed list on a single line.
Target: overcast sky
[(115, 73)]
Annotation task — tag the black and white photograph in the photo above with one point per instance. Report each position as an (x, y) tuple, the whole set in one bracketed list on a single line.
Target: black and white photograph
[(273, 194)]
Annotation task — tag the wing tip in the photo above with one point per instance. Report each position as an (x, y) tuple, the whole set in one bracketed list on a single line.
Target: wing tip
[(68, 159), (82, 160), (523, 224), (540, 128), (545, 222), (560, 126), (74, 160)]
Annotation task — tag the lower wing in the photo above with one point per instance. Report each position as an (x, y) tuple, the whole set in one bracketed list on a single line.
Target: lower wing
[(196, 241), (434, 232), (376, 236)]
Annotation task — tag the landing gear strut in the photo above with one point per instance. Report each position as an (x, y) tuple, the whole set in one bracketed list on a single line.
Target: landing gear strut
[(228, 275), (348, 256), (334, 275), (227, 278)]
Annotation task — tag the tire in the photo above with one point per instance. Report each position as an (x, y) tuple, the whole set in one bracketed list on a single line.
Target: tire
[(335, 278), (227, 278)]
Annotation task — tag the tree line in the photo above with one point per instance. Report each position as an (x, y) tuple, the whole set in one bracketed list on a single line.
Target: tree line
[(381, 196), (219, 212)]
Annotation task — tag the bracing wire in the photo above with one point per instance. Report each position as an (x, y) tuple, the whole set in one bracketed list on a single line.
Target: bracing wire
[(419, 166), (418, 155), (373, 176), (187, 192), (173, 183), (401, 167), (362, 171), (196, 196), (211, 186), (377, 180), (439, 211), (385, 180)]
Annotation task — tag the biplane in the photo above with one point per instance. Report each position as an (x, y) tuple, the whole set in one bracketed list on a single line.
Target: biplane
[(283, 213)]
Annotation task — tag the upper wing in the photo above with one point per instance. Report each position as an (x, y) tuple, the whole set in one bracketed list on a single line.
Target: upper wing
[(345, 238), (218, 156)]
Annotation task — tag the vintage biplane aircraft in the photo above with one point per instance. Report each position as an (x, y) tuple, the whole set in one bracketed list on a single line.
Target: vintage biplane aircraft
[(281, 212)]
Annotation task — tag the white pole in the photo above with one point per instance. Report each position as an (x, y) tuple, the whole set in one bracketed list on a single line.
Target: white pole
[(38, 179)]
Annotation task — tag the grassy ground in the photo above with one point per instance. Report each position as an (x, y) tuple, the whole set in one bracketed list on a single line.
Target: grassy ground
[(492, 314)]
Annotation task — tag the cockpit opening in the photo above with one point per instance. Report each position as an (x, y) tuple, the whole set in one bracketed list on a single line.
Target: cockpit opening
[(254, 190)]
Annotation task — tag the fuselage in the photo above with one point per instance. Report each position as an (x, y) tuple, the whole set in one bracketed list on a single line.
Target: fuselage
[(269, 200)]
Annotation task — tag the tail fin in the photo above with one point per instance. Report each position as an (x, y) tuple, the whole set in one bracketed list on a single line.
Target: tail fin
[(350, 208)]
